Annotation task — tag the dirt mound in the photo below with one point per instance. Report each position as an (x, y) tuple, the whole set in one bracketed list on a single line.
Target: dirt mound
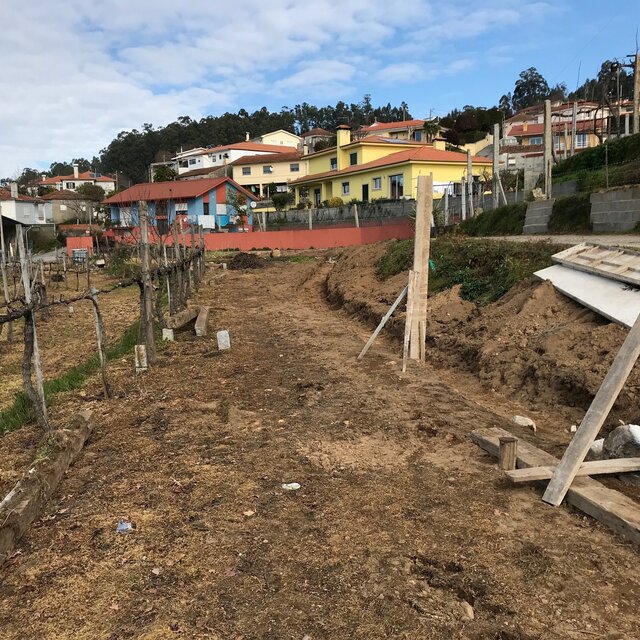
[(533, 343), (244, 260)]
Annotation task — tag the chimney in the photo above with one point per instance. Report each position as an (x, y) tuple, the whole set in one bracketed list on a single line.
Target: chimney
[(343, 138), (14, 190), (305, 149), (76, 173), (525, 126), (246, 136)]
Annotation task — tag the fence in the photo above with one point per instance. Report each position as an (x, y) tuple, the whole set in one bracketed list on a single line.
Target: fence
[(177, 270)]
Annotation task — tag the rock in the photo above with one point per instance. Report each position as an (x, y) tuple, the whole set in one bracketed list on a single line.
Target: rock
[(596, 449), (523, 421), (275, 253), (622, 442), (467, 611)]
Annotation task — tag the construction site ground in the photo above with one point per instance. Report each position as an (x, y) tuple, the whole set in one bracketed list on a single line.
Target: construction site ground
[(401, 527)]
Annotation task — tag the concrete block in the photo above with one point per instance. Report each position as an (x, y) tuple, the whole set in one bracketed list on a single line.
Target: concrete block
[(140, 353), (167, 335), (224, 340)]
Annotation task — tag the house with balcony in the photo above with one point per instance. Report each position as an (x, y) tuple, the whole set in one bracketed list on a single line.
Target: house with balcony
[(257, 173), (380, 167), (401, 130), (208, 202), (77, 179), (203, 161)]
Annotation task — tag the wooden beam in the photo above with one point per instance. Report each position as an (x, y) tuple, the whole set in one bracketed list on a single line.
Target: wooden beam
[(591, 468), (182, 317), (386, 317), (594, 418), (610, 507), (508, 453)]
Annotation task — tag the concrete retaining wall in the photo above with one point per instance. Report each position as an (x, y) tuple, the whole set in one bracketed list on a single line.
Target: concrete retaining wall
[(615, 210)]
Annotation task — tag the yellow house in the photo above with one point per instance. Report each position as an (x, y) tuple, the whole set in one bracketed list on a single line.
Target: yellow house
[(257, 172), (376, 167), (280, 137)]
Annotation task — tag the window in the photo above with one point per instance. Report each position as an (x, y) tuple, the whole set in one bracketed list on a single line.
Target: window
[(294, 167), (558, 143), (377, 184), (345, 188), (581, 140), (246, 171), (192, 161), (396, 184), (333, 163), (535, 140), (417, 136), (71, 185), (267, 169), (353, 158)]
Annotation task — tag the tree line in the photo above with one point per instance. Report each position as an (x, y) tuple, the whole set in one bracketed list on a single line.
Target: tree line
[(130, 153)]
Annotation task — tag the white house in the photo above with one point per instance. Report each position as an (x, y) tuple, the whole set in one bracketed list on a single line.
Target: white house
[(209, 158), (77, 179), (16, 209)]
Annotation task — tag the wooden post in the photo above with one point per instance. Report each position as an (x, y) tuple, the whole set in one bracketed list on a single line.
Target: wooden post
[(422, 245), (386, 317), (446, 207), (102, 351), (165, 261), (470, 184), (594, 418), (408, 319), (355, 215), (548, 147), (147, 286), (496, 163), (31, 342), (566, 140), (463, 211), (177, 258), (508, 453), (5, 284)]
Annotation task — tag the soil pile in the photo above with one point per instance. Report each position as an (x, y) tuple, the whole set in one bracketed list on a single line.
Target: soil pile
[(244, 260), (534, 342)]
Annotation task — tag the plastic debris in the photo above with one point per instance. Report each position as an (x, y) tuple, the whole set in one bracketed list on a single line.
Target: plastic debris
[(124, 526), (291, 486), (523, 421)]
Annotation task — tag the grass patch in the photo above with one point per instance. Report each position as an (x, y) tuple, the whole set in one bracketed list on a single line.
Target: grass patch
[(572, 213), (503, 221), (21, 411), (486, 269)]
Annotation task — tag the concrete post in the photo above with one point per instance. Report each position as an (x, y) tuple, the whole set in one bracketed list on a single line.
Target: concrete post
[(548, 146), (636, 95), (446, 207), (574, 117), (464, 199), (470, 182), (496, 163)]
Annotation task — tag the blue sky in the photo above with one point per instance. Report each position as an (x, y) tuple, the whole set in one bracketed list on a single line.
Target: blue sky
[(77, 73)]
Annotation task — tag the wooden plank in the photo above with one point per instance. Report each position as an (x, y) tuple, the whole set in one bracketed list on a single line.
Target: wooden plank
[(590, 468), (201, 322), (612, 508), (386, 317), (593, 420), (613, 300), (407, 320), (182, 317)]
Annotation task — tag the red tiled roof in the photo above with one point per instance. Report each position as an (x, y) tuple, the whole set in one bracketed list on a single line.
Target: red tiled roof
[(243, 146), (62, 194), (317, 131), (206, 171), (383, 126), (259, 159), (5, 194), (558, 127), (424, 153), (85, 175), (373, 140), (172, 190)]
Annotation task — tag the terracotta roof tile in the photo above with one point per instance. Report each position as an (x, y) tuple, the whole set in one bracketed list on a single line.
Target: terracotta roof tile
[(291, 156)]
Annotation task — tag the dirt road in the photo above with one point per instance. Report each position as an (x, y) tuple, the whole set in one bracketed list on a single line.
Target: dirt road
[(401, 528)]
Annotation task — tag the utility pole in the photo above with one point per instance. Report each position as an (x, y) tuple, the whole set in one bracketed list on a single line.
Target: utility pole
[(470, 182), (548, 145), (574, 117), (496, 163), (636, 94)]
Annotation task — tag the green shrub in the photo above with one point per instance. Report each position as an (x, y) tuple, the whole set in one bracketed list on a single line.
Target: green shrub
[(572, 213), (336, 202), (506, 220), (486, 269)]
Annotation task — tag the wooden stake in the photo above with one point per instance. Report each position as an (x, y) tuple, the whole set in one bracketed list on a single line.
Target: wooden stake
[(386, 317), (31, 336), (594, 418), (408, 318), (5, 284), (508, 453), (102, 351), (424, 215), (147, 286)]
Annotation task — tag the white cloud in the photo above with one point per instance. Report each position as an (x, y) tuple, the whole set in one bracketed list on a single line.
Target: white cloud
[(77, 73)]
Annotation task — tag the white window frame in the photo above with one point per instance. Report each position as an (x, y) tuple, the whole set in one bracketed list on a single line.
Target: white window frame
[(267, 169), (533, 140), (333, 163), (401, 183), (294, 167), (345, 188), (246, 171), (582, 140), (377, 181)]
